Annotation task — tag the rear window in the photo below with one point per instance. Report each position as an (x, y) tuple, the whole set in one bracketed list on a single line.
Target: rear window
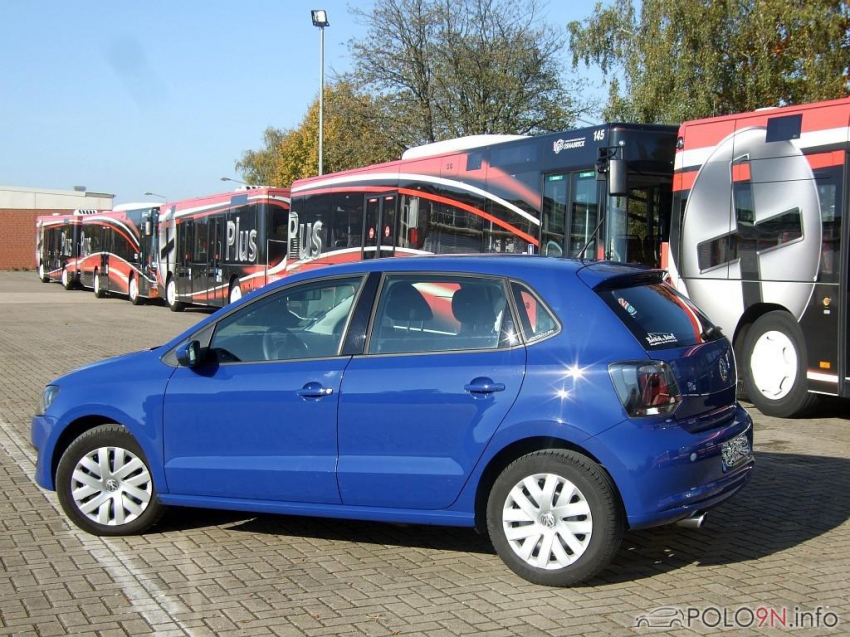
[(660, 317)]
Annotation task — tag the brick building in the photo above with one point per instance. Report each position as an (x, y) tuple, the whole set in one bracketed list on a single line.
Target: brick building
[(19, 208)]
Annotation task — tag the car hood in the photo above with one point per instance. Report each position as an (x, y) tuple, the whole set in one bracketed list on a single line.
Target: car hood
[(107, 368)]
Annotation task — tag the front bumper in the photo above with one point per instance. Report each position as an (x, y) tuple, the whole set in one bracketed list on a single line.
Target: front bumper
[(40, 429)]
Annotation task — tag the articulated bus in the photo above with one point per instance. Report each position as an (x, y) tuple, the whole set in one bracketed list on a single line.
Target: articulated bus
[(527, 194), (214, 249), (57, 246), (748, 223), (118, 252), (757, 241)]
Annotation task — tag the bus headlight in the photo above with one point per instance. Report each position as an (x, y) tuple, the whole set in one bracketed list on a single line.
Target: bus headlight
[(47, 397)]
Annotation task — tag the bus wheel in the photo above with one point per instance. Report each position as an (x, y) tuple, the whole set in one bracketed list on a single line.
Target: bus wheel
[(98, 291), (104, 483), (774, 366), (171, 296), (133, 293), (235, 292), (67, 279), (41, 274)]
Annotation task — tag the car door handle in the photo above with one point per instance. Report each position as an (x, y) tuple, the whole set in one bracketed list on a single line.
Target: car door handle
[(314, 390), (483, 386)]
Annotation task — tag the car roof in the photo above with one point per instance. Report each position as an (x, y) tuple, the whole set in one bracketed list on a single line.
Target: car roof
[(510, 265)]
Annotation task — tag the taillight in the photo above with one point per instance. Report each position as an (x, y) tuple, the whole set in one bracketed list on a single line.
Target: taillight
[(646, 388)]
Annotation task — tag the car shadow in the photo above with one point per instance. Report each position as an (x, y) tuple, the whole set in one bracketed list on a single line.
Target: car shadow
[(791, 499)]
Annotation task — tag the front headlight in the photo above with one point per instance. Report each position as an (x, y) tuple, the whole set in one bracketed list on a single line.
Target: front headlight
[(47, 397)]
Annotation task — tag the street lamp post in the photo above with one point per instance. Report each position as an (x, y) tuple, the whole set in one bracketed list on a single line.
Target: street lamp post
[(236, 181), (153, 194), (320, 19)]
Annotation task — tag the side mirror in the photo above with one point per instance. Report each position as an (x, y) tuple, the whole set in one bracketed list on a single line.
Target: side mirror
[(189, 354), (618, 185)]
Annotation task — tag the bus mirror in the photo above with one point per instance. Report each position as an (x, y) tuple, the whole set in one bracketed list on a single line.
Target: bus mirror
[(148, 228), (617, 178), (189, 354)]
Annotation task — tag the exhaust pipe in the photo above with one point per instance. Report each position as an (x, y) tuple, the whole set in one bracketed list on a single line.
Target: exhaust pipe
[(694, 522)]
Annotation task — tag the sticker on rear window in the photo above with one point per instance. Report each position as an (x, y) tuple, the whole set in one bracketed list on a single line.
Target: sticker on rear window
[(655, 339), (627, 306)]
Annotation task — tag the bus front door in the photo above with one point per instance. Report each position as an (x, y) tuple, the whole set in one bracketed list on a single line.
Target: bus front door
[(379, 226)]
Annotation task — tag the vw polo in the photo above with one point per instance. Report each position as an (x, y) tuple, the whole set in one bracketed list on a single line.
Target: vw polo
[(550, 403)]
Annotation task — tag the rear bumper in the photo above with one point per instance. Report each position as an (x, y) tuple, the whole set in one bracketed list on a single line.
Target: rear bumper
[(665, 474)]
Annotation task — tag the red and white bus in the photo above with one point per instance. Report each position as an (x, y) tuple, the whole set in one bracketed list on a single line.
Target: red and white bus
[(57, 246), (759, 241), (118, 252), (214, 249), (480, 194), (749, 223)]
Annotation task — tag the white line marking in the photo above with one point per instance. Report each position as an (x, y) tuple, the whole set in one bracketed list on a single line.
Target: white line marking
[(145, 596)]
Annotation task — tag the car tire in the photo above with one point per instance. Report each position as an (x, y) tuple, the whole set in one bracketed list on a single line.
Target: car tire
[(774, 366), (536, 540), (42, 275), (99, 292), (235, 292), (118, 500), (133, 291), (171, 296)]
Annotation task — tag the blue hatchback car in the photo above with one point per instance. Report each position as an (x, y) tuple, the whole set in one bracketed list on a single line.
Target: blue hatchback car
[(551, 403)]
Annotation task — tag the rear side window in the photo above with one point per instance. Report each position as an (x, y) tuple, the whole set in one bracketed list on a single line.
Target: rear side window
[(535, 318), (659, 317)]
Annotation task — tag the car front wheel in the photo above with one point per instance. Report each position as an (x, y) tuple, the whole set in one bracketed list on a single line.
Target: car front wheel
[(554, 517), (105, 485)]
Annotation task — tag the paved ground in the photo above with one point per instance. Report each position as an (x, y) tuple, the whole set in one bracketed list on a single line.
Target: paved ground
[(783, 543)]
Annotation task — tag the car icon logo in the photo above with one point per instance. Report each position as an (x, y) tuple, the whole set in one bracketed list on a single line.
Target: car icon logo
[(662, 617)]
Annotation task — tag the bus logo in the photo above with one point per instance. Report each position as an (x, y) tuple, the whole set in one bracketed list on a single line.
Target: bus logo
[(568, 144), (305, 240), (242, 244)]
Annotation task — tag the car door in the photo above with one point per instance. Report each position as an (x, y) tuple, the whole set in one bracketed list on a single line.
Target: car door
[(441, 370), (257, 419)]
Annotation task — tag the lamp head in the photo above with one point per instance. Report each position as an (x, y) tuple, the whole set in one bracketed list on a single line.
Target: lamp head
[(320, 18)]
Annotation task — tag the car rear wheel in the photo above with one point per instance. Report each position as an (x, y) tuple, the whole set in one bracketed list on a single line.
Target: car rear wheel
[(105, 485), (171, 296), (775, 366), (554, 517)]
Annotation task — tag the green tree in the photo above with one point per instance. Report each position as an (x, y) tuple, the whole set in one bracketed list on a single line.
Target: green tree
[(449, 68), (684, 59), (352, 138)]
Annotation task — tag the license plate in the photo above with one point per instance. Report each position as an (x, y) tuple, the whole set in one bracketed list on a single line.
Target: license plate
[(735, 451)]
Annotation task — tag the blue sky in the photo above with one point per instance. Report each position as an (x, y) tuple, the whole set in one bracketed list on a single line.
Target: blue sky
[(162, 95)]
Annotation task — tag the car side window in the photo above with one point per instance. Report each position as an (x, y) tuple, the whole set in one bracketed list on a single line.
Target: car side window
[(535, 318), (433, 313), (305, 321)]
